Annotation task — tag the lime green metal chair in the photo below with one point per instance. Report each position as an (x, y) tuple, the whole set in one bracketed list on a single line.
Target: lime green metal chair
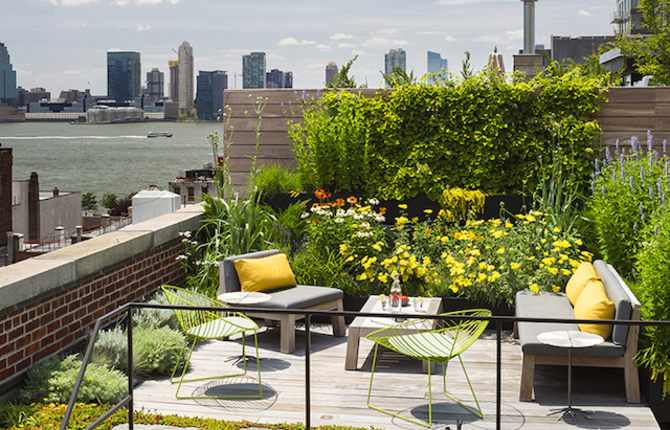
[(199, 325), (421, 339)]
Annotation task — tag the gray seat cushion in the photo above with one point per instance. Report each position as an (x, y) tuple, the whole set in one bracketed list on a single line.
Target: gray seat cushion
[(553, 305), (300, 297)]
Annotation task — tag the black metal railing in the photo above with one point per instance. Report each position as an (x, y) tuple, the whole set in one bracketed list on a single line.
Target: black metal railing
[(128, 309)]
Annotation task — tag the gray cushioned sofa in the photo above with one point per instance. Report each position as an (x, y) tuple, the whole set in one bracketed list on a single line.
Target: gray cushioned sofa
[(297, 297), (616, 351)]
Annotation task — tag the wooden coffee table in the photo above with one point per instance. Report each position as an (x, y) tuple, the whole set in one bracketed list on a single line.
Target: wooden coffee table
[(363, 326)]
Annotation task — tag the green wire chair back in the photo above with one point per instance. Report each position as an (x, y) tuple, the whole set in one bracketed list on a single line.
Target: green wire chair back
[(421, 339), (201, 324)]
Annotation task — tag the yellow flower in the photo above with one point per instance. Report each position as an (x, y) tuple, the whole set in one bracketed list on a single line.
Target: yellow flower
[(557, 230), (402, 206), (566, 272), (497, 234), (383, 277), (514, 266), (552, 270), (534, 288), (579, 242), (428, 211), (343, 248), (401, 220), (501, 251), (376, 246), (556, 288)]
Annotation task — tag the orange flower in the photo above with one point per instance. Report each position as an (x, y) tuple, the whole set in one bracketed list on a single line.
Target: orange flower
[(339, 202), (382, 210), (320, 194), (353, 200)]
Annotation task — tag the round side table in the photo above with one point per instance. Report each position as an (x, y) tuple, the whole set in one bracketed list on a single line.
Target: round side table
[(244, 298), (570, 339)]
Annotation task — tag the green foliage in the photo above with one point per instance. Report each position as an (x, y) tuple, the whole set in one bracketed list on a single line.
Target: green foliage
[(289, 233), (111, 349), (330, 144), (399, 78), (627, 191), (651, 53), (14, 415), (460, 205), (342, 78), (654, 275), (276, 178), (235, 222), (89, 202), (50, 417), (480, 133), (53, 381), (109, 201), (156, 318)]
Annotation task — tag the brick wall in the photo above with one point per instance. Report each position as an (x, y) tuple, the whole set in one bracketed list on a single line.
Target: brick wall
[(52, 323)]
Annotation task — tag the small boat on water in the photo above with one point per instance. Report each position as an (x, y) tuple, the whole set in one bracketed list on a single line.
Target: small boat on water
[(159, 134)]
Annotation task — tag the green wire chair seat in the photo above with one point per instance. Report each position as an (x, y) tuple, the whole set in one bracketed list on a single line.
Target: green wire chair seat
[(200, 325), (421, 339)]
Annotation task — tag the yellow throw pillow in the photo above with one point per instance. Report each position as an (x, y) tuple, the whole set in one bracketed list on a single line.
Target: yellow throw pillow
[(265, 273), (582, 276), (593, 304)]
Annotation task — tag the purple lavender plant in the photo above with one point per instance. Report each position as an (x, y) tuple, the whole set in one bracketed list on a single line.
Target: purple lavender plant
[(650, 141), (665, 144), (608, 156), (616, 146), (633, 143)]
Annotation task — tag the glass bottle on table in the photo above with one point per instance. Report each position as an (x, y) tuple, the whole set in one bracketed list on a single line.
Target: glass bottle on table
[(396, 295)]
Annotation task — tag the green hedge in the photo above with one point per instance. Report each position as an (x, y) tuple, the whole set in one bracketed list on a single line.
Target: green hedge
[(481, 133)]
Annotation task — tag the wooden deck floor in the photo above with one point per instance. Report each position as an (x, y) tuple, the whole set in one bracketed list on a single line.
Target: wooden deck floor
[(339, 396)]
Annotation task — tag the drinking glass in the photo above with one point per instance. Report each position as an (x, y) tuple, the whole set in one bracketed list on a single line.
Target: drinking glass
[(418, 304)]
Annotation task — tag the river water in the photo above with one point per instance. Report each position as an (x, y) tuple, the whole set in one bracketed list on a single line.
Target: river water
[(105, 158)]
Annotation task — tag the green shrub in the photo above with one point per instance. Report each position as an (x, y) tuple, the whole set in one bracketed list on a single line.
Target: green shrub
[(155, 350), (290, 232), (53, 381), (627, 190), (12, 414), (276, 178), (480, 133), (654, 294), (152, 317)]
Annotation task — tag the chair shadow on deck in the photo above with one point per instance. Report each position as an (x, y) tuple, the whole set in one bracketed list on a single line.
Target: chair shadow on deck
[(235, 386)]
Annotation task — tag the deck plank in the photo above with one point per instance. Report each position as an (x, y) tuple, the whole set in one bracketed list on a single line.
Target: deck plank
[(338, 397)]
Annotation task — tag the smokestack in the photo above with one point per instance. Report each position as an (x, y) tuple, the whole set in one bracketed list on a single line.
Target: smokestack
[(529, 26)]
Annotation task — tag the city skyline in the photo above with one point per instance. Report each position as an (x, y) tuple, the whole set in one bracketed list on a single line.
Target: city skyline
[(62, 44)]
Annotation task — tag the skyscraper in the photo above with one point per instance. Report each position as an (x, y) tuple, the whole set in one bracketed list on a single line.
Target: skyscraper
[(395, 58), (8, 91), (124, 75), (253, 70), (331, 71), (275, 78), (174, 80), (186, 76), (209, 96), (155, 84), (436, 63)]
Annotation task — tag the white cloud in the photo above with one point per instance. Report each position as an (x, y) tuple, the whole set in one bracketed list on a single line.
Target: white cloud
[(341, 36), (450, 39), (140, 27), (515, 34), (382, 41), (323, 48), (291, 41), (74, 2), (583, 12), (346, 45), (139, 2), (357, 52)]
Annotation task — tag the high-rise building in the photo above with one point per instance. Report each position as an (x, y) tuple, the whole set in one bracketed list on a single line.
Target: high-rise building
[(174, 80), (155, 84), (628, 16), (277, 79), (9, 93), (395, 58), (253, 70), (124, 75), (436, 63), (209, 96), (186, 76), (331, 71)]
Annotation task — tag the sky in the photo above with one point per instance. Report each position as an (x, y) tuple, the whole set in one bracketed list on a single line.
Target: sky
[(63, 44)]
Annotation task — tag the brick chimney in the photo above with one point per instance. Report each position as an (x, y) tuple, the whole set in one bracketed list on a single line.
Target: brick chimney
[(34, 207), (6, 223)]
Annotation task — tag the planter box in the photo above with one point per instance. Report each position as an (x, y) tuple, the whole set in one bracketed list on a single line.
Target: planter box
[(653, 392), (415, 205)]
